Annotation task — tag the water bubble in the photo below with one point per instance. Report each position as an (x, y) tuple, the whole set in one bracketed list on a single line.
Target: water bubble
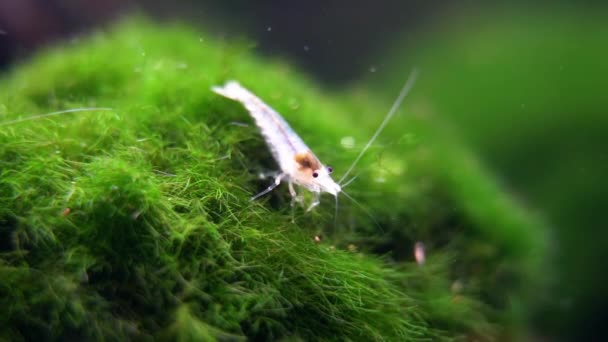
[(347, 142)]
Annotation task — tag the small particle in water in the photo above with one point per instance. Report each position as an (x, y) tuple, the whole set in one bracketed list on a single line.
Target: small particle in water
[(352, 248), (372, 68), (317, 239), (240, 124), (306, 48), (163, 173), (201, 39), (456, 286), (182, 65), (114, 188), (419, 253), (66, 212), (347, 142), (135, 215), (143, 53), (2, 32), (269, 28), (293, 103)]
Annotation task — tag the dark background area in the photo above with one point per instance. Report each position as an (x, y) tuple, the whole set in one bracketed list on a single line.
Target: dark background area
[(343, 42), (336, 41)]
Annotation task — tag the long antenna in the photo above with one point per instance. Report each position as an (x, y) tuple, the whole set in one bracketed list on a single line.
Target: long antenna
[(404, 91), (363, 208), (39, 116), (349, 181)]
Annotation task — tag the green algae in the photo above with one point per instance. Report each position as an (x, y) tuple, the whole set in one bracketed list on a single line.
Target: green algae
[(136, 223)]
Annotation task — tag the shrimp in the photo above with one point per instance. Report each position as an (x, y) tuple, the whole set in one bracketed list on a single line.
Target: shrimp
[(298, 164)]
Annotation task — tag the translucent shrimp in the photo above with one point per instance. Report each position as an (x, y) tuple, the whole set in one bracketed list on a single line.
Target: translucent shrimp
[(298, 164)]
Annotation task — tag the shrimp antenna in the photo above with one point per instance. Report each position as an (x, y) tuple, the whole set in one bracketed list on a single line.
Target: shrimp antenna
[(404, 91), (349, 181), (336, 213), (364, 210), (40, 116)]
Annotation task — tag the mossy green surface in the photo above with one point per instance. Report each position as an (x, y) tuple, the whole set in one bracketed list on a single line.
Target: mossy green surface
[(136, 223)]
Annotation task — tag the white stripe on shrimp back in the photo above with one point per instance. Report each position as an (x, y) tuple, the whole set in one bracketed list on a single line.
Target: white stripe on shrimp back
[(282, 141)]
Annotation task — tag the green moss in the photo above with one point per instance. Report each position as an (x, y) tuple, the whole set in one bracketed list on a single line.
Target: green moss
[(136, 222)]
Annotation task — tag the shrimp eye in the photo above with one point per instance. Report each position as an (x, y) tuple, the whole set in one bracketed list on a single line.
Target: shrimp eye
[(315, 174), (330, 169)]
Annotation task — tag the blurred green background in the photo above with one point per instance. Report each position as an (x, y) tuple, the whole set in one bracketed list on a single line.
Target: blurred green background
[(527, 90), (523, 85)]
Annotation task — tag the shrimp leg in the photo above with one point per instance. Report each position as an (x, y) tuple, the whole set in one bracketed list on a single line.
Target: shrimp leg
[(294, 195), (277, 181), (315, 201)]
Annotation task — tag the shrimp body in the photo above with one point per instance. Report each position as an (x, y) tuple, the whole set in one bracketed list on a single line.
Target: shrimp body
[(298, 163)]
